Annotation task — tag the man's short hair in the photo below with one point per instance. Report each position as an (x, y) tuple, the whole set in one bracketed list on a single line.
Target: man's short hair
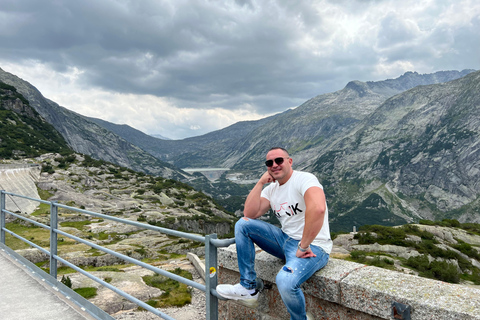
[(283, 149)]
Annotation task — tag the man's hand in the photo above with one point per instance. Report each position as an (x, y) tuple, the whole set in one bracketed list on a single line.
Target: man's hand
[(266, 178), (255, 205), (307, 254)]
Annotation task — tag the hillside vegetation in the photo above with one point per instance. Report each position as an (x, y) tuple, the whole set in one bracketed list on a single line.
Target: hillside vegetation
[(445, 250), (23, 133)]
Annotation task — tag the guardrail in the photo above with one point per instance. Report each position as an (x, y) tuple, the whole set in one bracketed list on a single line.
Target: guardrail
[(211, 244)]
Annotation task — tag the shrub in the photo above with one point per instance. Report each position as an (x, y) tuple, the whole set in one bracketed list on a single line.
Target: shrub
[(66, 281), (382, 263), (358, 256), (419, 263), (440, 270), (445, 271)]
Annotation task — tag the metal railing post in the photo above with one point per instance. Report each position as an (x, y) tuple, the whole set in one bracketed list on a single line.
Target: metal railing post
[(2, 217), (211, 278), (53, 238)]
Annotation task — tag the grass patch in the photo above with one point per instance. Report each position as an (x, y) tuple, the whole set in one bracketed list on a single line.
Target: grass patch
[(44, 194), (30, 232), (372, 259), (63, 249), (171, 255), (109, 269), (65, 270), (175, 294), (42, 210), (86, 292), (75, 224), (95, 252)]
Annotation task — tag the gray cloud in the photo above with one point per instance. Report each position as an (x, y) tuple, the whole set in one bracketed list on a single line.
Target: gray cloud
[(263, 57)]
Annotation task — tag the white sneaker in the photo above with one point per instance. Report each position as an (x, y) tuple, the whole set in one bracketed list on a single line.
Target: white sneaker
[(310, 316), (239, 293)]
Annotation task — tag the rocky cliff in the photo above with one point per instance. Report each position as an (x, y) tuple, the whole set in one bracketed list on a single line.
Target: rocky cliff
[(417, 155)]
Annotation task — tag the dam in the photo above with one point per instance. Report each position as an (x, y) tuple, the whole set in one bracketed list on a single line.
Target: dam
[(20, 179), (212, 174)]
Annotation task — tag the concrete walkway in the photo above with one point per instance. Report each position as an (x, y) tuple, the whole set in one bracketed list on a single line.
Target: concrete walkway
[(23, 297)]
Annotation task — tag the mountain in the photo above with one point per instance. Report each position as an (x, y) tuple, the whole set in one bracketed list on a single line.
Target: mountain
[(85, 136), (159, 136), (208, 150), (23, 132), (416, 156), (387, 152), (316, 122), (313, 126)]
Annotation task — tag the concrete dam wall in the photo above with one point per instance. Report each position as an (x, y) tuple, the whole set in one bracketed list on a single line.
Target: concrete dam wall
[(20, 179)]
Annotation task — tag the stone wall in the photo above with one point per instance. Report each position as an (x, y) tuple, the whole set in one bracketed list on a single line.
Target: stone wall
[(348, 290)]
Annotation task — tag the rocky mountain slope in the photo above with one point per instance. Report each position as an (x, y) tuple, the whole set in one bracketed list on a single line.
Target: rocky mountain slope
[(319, 121), (314, 126), (87, 137), (416, 156), (23, 132), (106, 188), (79, 181)]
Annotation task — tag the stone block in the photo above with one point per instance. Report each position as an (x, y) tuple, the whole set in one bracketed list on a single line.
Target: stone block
[(348, 290), (372, 290)]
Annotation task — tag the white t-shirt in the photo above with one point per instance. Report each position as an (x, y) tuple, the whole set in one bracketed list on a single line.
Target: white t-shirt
[(288, 203)]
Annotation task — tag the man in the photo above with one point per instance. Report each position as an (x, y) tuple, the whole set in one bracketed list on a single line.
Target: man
[(303, 242)]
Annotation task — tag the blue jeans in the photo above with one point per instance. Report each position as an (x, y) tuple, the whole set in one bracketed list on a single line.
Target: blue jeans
[(274, 241)]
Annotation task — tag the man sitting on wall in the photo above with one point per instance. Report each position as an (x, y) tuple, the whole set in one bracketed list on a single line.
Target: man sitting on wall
[(303, 242)]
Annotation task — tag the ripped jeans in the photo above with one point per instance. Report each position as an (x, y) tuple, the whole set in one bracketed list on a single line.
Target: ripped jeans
[(274, 241)]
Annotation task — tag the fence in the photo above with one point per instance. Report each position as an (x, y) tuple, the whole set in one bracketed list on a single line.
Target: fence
[(211, 244)]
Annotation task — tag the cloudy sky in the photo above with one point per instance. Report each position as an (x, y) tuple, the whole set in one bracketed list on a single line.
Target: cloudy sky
[(182, 68)]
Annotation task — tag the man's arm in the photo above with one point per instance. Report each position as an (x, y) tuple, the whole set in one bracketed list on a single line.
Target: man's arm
[(255, 205), (314, 215)]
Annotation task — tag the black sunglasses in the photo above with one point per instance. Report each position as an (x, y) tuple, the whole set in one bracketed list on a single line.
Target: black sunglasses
[(269, 163)]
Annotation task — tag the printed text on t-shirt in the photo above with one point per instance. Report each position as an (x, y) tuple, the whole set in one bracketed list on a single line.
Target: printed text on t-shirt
[(289, 210)]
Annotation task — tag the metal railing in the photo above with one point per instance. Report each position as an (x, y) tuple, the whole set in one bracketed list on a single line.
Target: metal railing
[(211, 244)]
